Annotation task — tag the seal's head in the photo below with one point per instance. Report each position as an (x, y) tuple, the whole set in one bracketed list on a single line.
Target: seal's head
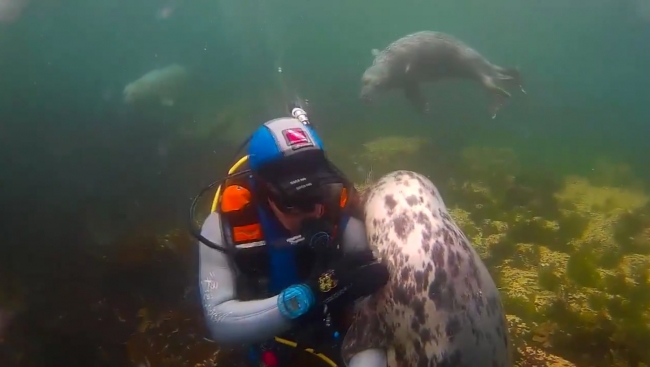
[(374, 80), (131, 93)]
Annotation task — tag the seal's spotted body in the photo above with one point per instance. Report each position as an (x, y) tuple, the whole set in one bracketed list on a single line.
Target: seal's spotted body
[(440, 307)]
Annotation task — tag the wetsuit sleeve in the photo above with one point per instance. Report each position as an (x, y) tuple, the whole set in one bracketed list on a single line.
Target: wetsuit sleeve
[(231, 321), (354, 239), (354, 236)]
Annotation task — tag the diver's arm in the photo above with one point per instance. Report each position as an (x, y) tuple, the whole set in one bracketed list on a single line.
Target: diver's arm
[(354, 236), (231, 321), (354, 239)]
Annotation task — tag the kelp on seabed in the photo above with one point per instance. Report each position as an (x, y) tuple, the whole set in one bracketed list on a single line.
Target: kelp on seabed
[(570, 257), (135, 306), (168, 327)]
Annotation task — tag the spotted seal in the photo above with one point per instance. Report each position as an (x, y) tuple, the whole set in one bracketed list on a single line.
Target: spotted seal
[(440, 306), (428, 56)]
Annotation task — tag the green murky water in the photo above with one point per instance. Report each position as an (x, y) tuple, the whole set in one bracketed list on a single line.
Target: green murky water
[(95, 266)]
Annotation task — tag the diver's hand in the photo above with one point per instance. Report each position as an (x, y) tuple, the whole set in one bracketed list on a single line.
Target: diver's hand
[(363, 277), (355, 275)]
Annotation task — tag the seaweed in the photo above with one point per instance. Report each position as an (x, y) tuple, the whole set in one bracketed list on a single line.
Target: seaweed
[(571, 225), (548, 278), (616, 284), (575, 255), (535, 230), (610, 258), (502, 250), (535, 192), (582, 268), (632, 231)]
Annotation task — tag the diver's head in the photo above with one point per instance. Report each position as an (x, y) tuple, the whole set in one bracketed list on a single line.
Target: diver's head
[(291, 170)]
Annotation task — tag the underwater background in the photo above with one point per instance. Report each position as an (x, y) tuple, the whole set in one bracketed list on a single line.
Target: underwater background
[(96, 264)]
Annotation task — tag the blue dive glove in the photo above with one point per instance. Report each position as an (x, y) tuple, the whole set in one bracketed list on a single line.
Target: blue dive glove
[(355, 275)]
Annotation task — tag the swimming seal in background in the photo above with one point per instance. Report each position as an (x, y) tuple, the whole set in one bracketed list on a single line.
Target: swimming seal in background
[(162, 85), (428, 57), (440, 306)]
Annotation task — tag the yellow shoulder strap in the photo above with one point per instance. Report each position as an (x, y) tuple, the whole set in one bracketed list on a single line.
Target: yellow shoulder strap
[(232, 170)]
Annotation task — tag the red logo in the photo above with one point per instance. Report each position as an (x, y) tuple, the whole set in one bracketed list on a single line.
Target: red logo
[(296, 138)]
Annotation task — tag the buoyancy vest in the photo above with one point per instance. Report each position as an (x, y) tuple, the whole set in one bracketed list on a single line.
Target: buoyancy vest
[(263, 249)]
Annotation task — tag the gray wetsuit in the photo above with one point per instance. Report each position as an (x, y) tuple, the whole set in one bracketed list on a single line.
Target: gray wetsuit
[(231, 321)]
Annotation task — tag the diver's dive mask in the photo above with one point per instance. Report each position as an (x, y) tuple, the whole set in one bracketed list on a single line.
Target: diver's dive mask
[(288, 204)]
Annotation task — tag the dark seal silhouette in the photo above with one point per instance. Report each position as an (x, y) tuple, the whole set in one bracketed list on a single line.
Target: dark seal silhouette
[(431, 56)]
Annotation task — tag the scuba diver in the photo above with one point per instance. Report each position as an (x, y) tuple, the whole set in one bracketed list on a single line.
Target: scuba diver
[(281, 256)]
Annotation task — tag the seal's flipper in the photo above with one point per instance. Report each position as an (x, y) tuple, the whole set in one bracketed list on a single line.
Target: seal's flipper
[(512, 76), (498, 96), (366, 332), (497, 100), (414, 95)]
